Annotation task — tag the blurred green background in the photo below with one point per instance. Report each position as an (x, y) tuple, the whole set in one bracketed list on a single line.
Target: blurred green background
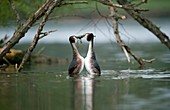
[(158, 8)]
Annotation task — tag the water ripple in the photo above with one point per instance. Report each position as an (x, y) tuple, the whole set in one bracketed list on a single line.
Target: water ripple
[(147, 73)]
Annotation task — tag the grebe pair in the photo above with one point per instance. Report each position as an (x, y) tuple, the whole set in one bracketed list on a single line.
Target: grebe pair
[(78, 62)]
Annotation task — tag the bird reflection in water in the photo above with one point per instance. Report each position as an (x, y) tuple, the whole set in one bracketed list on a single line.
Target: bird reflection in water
[(83, 86), (83, 93)]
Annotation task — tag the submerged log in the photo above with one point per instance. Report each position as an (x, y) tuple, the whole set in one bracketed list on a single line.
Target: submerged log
[(14, 57)]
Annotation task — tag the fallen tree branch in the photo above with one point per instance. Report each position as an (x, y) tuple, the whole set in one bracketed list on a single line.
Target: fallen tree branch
[(39, 33), (37, 36), (137, 58), (147, 24), (124, 47), (114, 17), (22, 29)]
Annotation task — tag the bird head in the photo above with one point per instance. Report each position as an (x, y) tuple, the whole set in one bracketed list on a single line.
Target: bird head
[(72, 39), (89, 36)]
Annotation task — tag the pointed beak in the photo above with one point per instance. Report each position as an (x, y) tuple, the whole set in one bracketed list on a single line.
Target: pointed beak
[(80, 37)]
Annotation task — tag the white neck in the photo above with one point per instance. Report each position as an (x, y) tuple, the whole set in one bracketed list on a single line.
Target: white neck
[(90, 49)]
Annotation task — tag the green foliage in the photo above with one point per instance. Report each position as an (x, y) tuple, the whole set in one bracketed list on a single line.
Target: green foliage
[(5, 12), (25, 8)]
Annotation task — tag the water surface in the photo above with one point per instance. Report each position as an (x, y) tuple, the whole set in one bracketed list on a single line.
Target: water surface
[(122, 85)]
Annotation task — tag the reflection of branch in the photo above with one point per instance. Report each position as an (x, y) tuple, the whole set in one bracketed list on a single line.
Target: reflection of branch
[(15, 11)]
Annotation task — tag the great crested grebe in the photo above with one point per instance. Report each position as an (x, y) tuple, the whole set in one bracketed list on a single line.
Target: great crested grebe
[(90, 60), (77, 63)]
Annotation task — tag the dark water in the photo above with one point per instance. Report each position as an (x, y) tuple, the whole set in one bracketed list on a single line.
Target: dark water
[(122, 85)]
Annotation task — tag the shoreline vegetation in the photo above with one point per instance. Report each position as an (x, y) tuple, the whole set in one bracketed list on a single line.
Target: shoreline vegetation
[(25, 9)]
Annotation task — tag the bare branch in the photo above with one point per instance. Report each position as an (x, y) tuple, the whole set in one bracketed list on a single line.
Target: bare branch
[(140, 3), (114, 17), (3, 39), (124, 47), (74, 2), (43, 34), (22, 29), (149, 61), (6, 61), (37, 36), (126, 53), (15, 11), (128, 7), (149, 25)]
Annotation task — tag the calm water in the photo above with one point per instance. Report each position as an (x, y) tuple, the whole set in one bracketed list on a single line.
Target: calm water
[(122, 86)]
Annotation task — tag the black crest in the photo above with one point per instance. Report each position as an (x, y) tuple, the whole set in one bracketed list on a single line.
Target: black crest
[(90, 36), (72, 39)]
